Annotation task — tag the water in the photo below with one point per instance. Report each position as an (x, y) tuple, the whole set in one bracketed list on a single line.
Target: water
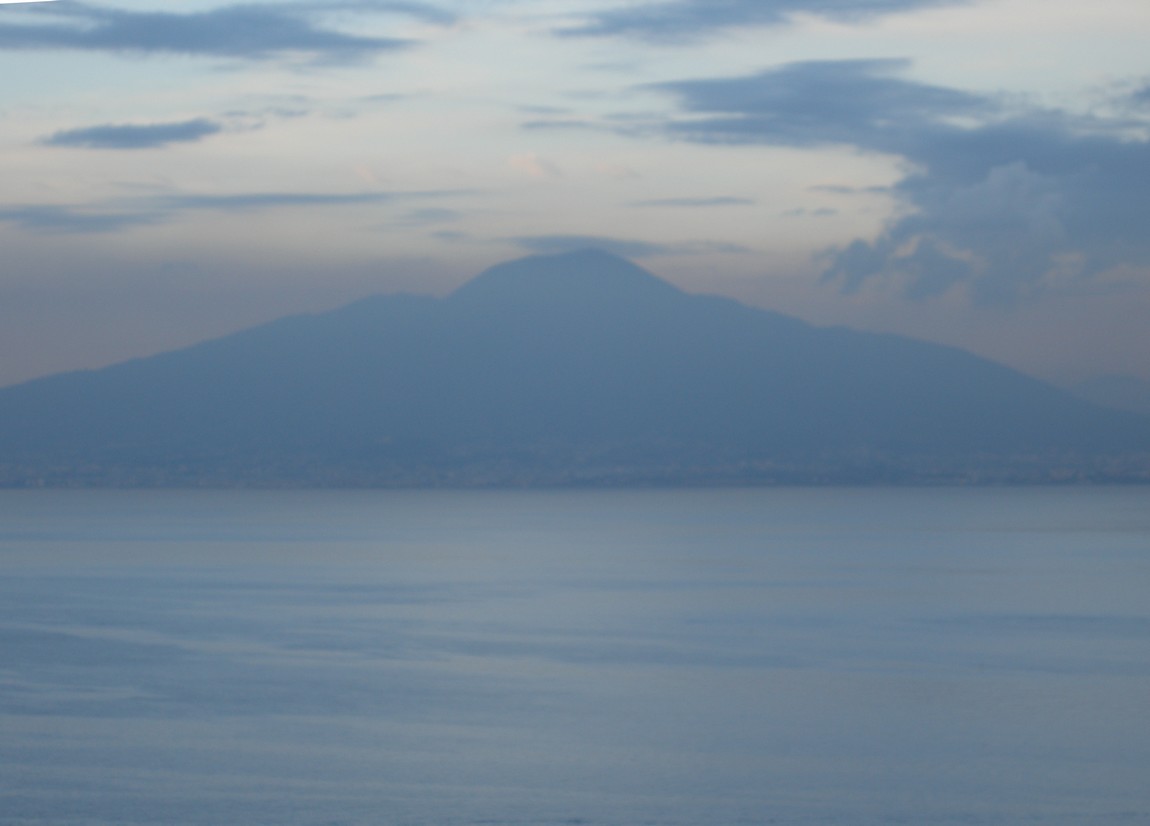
[(689, 658)]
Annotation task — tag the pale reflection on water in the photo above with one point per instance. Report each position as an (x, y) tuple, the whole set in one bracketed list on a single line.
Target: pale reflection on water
[(637, 657)]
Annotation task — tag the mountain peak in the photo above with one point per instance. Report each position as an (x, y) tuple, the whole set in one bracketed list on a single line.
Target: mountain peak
[(586, 275)]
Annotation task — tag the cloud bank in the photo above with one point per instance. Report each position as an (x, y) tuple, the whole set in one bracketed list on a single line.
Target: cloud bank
[(1007, 203), (243, 31)]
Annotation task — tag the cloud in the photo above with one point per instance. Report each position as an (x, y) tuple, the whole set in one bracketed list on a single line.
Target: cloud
[(822, 212), (680, 20), (626, 247), (244, 31), (559, 124), (71, 220), (451, 235), (1012, 210), (1006, 203), (250, 201), (124, 213), (426, 12), (818, 103), (695, 202), (428, 216), (133, 136), (844, 189)]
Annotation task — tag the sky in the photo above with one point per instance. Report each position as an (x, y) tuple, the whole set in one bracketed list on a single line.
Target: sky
[(972, 173)]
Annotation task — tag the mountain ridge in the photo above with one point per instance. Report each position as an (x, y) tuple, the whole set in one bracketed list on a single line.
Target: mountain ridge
[(576, 368)]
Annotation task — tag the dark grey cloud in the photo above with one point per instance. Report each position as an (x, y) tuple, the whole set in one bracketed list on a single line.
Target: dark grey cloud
[(1012, 209), (244, 31), (691, 19), (854, 102), (135, 136), (1009, 203), (626, 247), (719, 201)]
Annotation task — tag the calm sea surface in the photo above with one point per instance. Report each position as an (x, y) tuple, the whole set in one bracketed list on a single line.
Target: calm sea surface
[(690, 658)]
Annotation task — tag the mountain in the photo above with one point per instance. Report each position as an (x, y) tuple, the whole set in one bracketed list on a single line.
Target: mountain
[(1114, 390), (575, 368)]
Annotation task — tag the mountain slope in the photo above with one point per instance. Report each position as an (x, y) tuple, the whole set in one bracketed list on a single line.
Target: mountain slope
[(580, 363), (1117, 391)]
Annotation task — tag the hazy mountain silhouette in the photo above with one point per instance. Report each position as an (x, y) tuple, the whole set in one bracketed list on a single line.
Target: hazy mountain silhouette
[(571, 368), (1119, 391)]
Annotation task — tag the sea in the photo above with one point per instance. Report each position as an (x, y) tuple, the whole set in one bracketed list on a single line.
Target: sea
[(705, 657)]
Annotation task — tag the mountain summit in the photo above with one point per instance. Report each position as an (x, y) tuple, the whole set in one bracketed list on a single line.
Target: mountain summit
[(575, 368), (584, 275)]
